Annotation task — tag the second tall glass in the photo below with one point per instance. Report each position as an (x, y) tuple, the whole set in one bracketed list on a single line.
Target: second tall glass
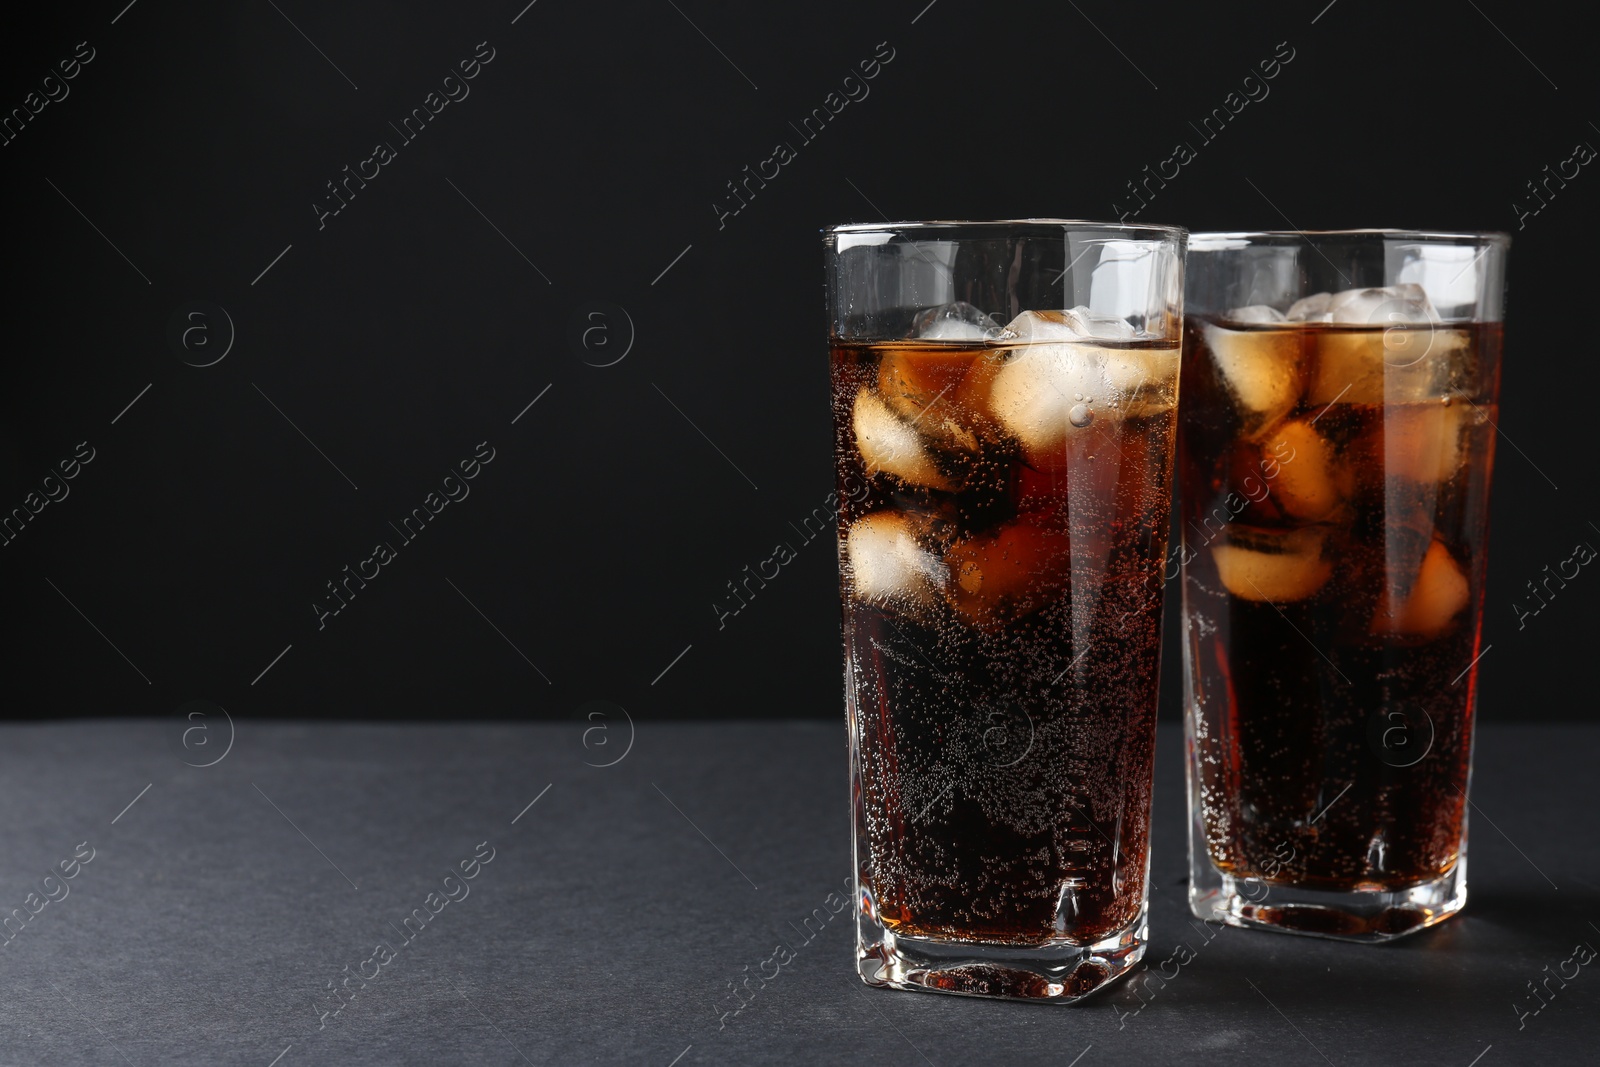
[(1337, 436), (1004, 409)]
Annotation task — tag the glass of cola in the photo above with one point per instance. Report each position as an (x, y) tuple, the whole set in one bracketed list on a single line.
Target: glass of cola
[(1004, 407)]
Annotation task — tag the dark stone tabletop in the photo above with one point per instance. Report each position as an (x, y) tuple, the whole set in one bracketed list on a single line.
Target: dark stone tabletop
[(211, 911)]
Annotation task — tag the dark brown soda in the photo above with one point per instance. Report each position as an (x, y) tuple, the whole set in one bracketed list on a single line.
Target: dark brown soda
[(1333, 608), (1004, 721)]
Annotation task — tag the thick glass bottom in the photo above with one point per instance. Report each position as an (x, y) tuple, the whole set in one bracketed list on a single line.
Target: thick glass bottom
[(1052, 973), (1343, 915)]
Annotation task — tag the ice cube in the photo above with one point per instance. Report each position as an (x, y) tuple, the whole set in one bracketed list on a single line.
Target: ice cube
[(1244, 467), (1261, 369), (1399, 364), (960, 321), (1073, 324), (1057, 381), (1044, 394), (1305, 487), (1034, 394), (1032, 391), (1270, 565), (1032, 327), (1007, 573), (1254, 314), (1141, 380), (1384, 306), (1412, 356), (1422, 442), (1380, 306), (887, 444), (1439, 594), (1311, 308), (1408, 513), (887, 565)]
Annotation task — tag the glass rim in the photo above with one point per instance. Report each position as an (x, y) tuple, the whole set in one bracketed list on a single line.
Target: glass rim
[(943, 225), (1498, 238)]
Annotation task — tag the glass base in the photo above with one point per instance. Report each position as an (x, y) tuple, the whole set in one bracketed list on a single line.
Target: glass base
[(1054, 973), (1353, 915)]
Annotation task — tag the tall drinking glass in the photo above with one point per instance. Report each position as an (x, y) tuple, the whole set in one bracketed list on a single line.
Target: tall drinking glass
[(1340, 396), (1004, 412)]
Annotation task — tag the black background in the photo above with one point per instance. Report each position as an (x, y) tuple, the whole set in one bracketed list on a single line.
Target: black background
[(582, 173)]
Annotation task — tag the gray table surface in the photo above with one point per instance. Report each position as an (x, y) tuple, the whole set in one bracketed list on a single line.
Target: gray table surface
[(219, 906)]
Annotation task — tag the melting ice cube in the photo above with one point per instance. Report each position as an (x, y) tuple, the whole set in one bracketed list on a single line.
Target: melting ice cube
[(1306, 486), (887, 444), (1381, 306), (1313, 308), (887, 565), (1034, 394), (1254, 315), (1276, 566), (1074, 324), (1412, 357), (1397, 365), (1262, 371), (1440, 593), (960, 321), (1059, 381), (924, 388), (1422, 442)]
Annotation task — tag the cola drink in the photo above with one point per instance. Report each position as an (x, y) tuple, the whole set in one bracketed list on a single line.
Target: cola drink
[(1334, 467), (1004, 503)]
